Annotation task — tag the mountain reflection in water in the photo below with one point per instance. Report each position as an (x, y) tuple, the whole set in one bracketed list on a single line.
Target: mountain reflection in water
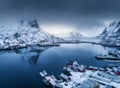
[(29, 54)]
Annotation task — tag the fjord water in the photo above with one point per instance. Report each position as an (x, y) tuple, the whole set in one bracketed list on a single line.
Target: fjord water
[(21, 70)]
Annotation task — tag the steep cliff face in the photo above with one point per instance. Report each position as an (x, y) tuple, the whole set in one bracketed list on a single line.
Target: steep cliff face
[(111, 34)]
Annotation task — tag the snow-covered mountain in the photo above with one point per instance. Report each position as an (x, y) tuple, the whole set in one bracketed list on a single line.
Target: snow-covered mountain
[(73, 36), (103, 34), (111, 34), (26, 33)]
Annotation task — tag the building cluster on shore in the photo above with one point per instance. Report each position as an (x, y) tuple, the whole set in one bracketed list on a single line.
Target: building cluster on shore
[(80, 76)]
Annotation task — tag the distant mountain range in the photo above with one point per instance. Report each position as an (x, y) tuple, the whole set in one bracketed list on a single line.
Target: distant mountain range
[(29, 32), (111, 34)]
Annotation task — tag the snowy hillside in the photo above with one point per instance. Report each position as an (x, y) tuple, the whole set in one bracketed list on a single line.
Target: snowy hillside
[(111, 34), (26, 33)]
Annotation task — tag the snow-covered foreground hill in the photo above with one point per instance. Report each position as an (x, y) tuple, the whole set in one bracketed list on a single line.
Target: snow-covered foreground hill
[(26, 33)]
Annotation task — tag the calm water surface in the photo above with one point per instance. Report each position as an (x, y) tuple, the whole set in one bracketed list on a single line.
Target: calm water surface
[(20, 69)]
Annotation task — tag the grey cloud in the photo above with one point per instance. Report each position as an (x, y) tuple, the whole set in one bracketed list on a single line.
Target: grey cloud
[(81, 14)]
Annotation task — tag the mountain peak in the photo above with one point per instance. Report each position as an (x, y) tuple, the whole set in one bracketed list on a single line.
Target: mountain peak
[(75, 34), (113, 23), (31, 23)]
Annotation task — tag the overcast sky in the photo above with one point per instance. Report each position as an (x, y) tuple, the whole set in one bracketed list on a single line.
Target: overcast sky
[(62, 16)]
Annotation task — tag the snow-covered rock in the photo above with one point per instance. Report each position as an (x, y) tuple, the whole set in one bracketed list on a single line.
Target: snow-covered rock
[(111, 34), (26, 33)]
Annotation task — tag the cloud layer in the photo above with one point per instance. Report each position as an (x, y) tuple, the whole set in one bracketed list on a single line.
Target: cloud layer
[(84, 15)]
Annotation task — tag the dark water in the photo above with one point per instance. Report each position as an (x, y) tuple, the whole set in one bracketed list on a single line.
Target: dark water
[(20, 69)]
